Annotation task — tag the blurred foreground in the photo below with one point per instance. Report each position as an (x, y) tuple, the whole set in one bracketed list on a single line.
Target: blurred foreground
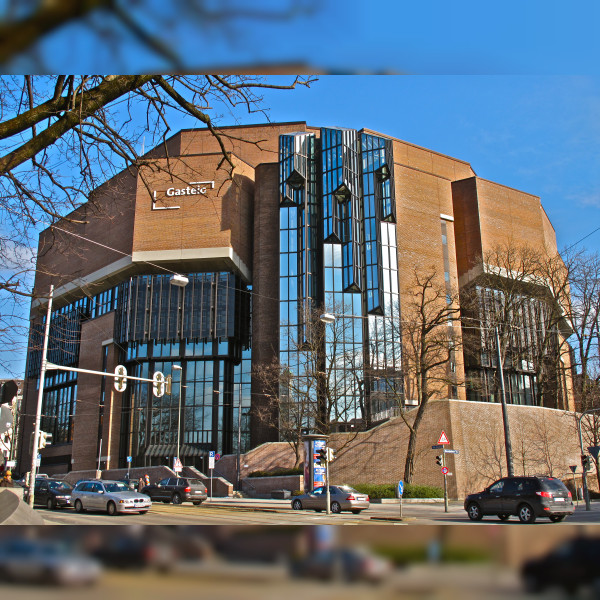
[(320, 562)]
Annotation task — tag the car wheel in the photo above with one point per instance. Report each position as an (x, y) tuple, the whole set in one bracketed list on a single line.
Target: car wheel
[(111, 509), (503, 517), (526, 514), (143, 512), (557, 518), (78, 506), (197, 503), (165, 502), (356, 511), (474, 512), (532, 584), (297, 505), (336, 508), (50, 504), (176, 499)]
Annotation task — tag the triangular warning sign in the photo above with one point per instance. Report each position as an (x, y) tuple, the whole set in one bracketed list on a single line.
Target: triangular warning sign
[(443, 438)]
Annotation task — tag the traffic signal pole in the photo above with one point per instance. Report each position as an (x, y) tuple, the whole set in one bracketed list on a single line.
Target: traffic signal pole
[(38, 412), (586, 492), (445, 482)]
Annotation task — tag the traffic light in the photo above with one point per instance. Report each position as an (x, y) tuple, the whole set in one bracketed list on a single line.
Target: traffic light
[(322, 455), (121, 379), (330, 455), (44, 439), (158, 384), (585, 462), (439, 459)]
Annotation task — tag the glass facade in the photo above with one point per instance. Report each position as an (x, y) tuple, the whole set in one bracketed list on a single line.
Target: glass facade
[(205, 329), (338, 254)]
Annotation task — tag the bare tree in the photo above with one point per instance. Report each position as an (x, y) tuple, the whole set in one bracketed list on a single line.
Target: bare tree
[(317, 388), (63, 136), (152, 29), (429, 344)]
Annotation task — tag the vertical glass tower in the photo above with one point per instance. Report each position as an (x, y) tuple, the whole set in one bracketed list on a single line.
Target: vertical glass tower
[(338, 255)]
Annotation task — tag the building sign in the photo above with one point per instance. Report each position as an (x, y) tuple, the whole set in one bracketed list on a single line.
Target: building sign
[(194, 188)]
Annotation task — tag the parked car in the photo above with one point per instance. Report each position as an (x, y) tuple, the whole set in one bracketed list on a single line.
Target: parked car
[(525, 497), (177, 490), (112, 496), (347, 564), (132, 484), (52, 493), (44, 561), (342, 497), (572, 565)]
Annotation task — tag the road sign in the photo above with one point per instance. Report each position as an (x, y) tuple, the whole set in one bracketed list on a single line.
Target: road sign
[(450, 451), (11, 464), (211, 459), (445, 470), (437, 447), (121, 380), (594, 450), (217, 456), (400, 488), (177, 466), (443, 438), (573, 468), (129, 459)]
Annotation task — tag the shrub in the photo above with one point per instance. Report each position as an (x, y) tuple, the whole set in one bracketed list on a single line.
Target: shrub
[(388, 490), (277, 472)]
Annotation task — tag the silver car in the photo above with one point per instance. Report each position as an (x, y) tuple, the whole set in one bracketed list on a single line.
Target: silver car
[(342, 497), (112, 496)]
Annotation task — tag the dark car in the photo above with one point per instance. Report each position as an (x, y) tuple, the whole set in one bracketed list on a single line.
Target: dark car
[(177, 490), (52, 493), (525, 497), (132, 484), (572, 565)]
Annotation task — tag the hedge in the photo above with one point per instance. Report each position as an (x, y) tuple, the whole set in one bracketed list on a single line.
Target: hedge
[(277, 473), (388, 490)]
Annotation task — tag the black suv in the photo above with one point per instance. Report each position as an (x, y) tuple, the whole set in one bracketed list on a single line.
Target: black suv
[(525, 497), (177, 490), (572, 565), (50, 492)]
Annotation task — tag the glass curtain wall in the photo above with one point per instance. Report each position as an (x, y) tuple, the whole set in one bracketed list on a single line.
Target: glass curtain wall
[(204, 328), (337, 214)]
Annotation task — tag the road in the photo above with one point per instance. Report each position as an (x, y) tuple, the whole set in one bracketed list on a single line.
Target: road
[(241, 511)]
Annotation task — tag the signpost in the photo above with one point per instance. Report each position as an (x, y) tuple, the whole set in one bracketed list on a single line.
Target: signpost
[(128, 465), (443, 440), (400, 492), (211, 466)]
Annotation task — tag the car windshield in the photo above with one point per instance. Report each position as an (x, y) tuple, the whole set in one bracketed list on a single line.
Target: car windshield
[(194, 482), (116, 486), (59, 486), (347, 489)]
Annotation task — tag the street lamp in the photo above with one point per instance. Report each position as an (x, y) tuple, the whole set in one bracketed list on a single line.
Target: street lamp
[(507, 442), (179, 368)]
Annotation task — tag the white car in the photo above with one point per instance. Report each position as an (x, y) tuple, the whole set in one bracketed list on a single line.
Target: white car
[(45, 561), (110, 496)]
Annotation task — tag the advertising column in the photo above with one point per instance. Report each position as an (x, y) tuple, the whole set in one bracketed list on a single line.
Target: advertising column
[(314, 471)]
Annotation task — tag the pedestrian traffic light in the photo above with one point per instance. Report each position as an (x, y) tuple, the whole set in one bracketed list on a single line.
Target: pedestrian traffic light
[(585, 462), (121, 378), (322, 455), (44, 439), (439, 459), (158, 384), (330, 455)]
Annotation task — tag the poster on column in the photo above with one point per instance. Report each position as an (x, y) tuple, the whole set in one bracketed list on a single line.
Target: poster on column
[(318, 469)]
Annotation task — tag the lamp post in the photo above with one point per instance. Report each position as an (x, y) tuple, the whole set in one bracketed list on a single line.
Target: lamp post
[(239, 439), (40, 398), (507, 441), (179, 368)]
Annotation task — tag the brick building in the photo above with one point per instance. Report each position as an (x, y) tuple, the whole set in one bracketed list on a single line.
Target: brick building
[(312, 219)]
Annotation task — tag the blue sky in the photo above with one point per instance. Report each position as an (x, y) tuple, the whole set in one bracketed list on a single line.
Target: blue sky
[(539, 134)]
